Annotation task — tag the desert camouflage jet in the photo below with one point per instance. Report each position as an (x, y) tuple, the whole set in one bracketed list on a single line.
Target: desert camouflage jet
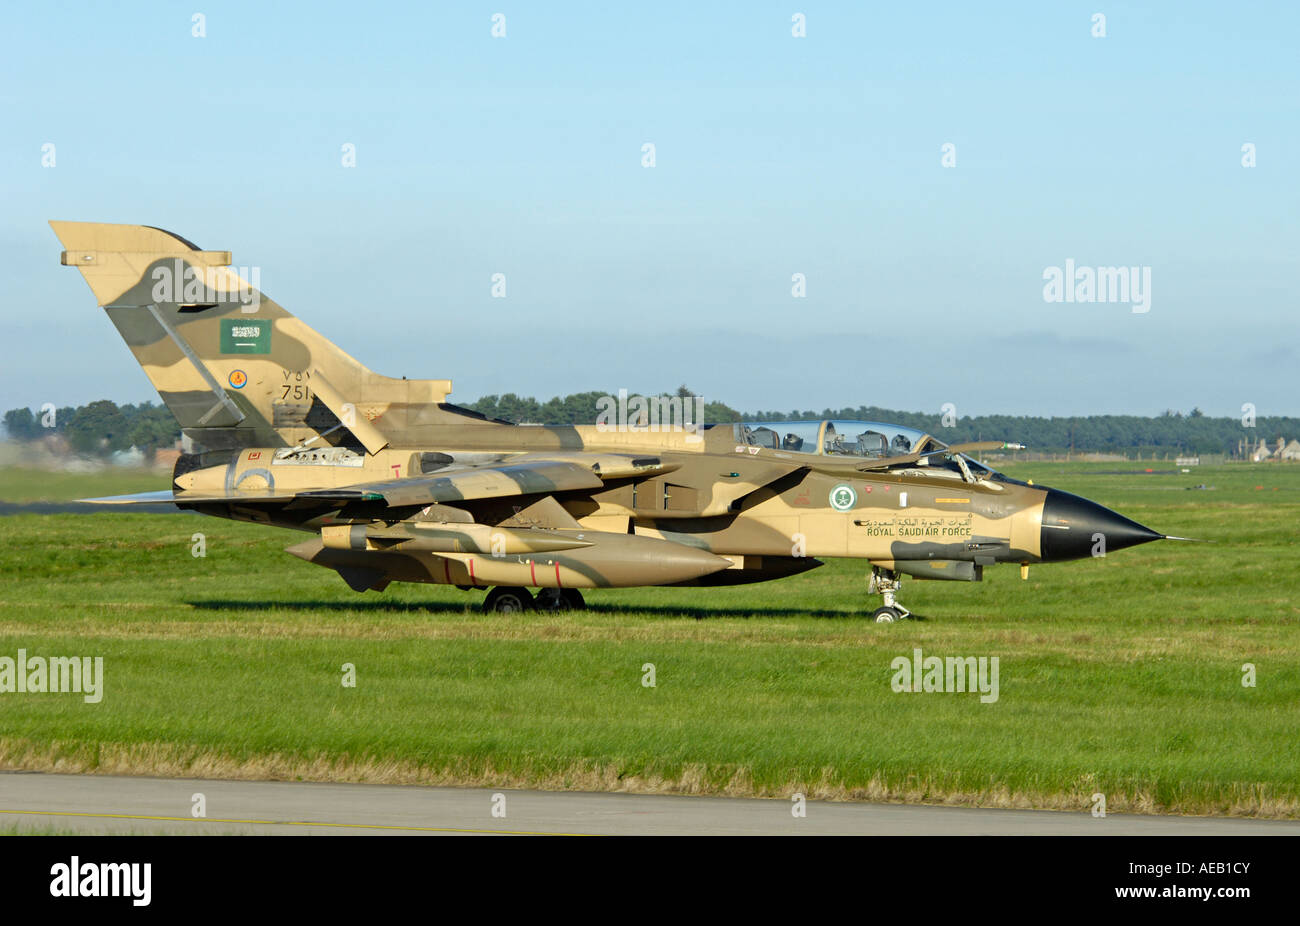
[(394, 484)]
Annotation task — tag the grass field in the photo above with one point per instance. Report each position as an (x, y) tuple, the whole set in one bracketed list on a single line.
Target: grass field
[(1120, 676)]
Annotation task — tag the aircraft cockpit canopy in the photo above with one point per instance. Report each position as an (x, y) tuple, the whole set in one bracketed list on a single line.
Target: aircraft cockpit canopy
[(871, 440), (900, 447)]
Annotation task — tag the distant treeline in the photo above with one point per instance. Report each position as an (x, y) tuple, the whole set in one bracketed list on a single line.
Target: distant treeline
[(1170, 432), (99, 428), (103, 427), (579, 408)]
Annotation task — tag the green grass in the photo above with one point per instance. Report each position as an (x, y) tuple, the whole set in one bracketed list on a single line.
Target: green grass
[(37, 829), (109, 829), (1120, 676), (23, 484)]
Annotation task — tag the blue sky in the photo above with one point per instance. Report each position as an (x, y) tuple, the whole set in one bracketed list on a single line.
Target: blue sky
[(774, 155)]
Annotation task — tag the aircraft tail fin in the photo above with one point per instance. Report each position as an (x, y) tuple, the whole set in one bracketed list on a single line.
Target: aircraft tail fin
[(232, 365)]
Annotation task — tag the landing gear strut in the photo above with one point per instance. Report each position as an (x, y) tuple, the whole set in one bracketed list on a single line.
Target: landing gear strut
[(560, 599), (886, 583), (506, 600)]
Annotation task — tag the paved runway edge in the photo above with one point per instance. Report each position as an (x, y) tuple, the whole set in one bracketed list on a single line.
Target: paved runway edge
[(93, 804)]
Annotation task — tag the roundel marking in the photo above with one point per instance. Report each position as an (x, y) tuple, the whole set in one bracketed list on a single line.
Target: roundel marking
[(843, 497), (238, 379)]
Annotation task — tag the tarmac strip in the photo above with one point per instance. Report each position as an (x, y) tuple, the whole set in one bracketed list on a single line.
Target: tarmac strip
[(104, 804)]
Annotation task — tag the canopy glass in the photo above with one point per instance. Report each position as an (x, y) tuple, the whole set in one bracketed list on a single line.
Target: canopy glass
[(872, 440)]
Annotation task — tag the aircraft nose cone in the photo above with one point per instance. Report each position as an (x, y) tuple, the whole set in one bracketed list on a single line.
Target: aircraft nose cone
[(1071, 525)]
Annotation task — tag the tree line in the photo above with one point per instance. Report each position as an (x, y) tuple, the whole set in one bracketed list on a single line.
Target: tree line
[(103, 427), (1170, 432), (98, 428)]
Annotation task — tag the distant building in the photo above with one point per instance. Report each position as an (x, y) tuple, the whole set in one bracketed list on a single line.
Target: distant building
[(131, 457), (1261, 452), (1291, 451)]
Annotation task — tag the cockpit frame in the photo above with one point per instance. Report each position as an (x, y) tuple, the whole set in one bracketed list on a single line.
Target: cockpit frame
[(875, 446), (836, 437)]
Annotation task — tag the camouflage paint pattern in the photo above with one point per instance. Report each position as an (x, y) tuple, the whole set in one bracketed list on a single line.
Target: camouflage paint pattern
[(398, 485)]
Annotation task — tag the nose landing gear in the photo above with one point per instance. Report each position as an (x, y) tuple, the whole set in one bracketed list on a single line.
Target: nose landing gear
[(886, 583)]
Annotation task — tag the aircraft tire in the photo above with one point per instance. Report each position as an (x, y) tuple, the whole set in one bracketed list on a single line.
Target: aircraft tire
[(508, 600), (886, 615)]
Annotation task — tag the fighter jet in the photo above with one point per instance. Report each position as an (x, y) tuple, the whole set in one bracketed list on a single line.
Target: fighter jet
[(392, 483)]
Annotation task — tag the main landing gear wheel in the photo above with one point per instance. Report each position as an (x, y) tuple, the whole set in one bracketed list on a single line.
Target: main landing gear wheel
[(506, 600), (560, 599), (885, 583)]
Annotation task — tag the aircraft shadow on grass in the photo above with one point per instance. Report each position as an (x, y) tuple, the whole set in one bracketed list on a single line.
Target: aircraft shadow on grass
[(440, 607)]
